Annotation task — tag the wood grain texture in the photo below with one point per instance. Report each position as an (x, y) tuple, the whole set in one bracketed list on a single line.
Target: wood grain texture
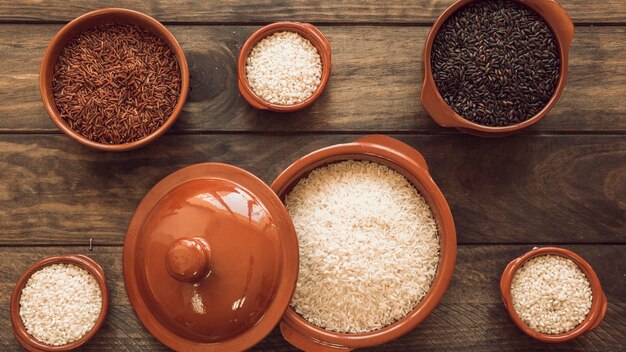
[(342, 11), (562, 181), (375, 83), (524, 189), (470, 317)]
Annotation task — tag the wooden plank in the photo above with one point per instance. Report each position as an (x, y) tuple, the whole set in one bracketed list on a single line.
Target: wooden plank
[(375, 83), (470, 317), (524, 189), (228, 11)]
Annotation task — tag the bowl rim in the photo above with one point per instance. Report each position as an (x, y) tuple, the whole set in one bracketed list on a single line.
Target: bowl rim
[(407, 159), (30, 342), (57, 41), (309, 32), (598, 305), (562, 29)]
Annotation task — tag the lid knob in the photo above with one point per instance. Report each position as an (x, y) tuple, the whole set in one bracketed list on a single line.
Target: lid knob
[(187, 259)]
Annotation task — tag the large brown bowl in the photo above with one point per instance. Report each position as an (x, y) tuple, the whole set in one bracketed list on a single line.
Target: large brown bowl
[(434, 104), (411, 164), (86, 22), (598, 305), (309, 32), (27, 340)]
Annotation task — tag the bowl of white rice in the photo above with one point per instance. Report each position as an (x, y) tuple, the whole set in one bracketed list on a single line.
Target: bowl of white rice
[(284, 66), (377, 244), (552, 294), (59, 303)]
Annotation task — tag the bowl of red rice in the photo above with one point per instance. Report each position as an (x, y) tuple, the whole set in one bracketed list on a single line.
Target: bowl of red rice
[(114, 79)]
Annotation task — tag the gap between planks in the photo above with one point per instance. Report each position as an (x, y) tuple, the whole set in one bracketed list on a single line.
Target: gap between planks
[(317, 23), (468, 244), (443, 132)]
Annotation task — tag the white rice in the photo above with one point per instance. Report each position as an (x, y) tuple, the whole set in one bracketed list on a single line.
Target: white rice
[(551, 294), (284, 68), (60, 304), (369, 246)]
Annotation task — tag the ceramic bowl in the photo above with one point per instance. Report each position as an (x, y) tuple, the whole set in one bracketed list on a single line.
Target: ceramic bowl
[(411, 164), (308, 31), (434, 104), (89, 21), (28, 341), (598, 305)]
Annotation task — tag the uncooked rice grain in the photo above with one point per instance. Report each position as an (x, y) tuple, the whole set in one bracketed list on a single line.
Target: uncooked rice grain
[(60, 304), (116, 83), (496, 62), (369, 246), (551, 294), (284, 68)]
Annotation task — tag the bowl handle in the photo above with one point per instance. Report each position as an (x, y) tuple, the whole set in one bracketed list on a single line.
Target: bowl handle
[(397, 146), (604, 304), (508, 272), (307, 344), (320, 35), (435, 106), (562, 24)]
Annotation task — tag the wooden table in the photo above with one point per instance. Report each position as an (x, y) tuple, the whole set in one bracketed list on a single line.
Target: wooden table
[(561, 182)]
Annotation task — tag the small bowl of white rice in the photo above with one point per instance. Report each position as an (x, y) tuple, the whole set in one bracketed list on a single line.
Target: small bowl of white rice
[(284, 66), (59, 303), (377, 243), (552, 294)]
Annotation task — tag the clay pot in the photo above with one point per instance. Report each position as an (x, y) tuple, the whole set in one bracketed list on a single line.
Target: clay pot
[(28, 341), (210, 259), (408, 162), (306, 30), (434, 104), (598, 305), (89, 21)]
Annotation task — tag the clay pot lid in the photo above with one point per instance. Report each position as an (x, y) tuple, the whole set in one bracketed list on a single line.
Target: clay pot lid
[(210, 259)]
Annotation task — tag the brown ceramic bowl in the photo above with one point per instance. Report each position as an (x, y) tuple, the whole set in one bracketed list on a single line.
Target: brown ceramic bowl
[(598, 305), (434, 104), (407, 161), (88, 21), (308, 31), (28, 341)]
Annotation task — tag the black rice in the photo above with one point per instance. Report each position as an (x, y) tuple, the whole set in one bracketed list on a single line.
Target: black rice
[(496, 62)]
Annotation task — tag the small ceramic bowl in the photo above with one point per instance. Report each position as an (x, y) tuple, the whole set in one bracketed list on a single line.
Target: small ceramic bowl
[(308, 31), (434, 104), (411, 164), (28, 341), (598, 305), (89, 21)]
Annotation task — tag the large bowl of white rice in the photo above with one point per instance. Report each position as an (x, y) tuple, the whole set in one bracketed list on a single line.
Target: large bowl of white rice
[(377, 244)]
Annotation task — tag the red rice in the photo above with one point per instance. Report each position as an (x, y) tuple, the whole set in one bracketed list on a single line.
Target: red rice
[(116, 83)]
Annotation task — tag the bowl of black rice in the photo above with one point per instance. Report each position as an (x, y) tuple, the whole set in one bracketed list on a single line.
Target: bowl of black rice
[(494, 67)]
